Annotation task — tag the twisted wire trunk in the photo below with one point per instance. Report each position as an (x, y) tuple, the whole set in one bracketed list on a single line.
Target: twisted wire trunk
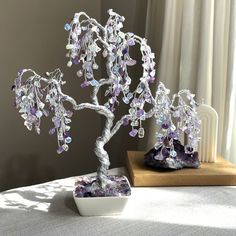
[(101, 153)]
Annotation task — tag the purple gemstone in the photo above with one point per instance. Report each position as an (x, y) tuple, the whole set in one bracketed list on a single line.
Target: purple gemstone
[(125, 121), (172, 135), (133, 132), (87, 65), (66, 134), (124, 51), (117, 91), (33, 111), (152, 79), (165, 125), (75, 60), (52, 131), (121, 72), (57, 122), (131, 42), (17, 81), (84, 84), (165, 152), (69, 113), (60, 150), (140, 113), (146, 95), (187, 131)]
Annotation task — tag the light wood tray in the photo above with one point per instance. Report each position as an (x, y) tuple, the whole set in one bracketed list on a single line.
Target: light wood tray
[(221, 172)]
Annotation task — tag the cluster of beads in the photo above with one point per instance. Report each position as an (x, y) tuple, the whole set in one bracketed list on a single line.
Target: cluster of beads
[(176, 120), (115, 45), (83, 48), (36, 97), (174, 117)]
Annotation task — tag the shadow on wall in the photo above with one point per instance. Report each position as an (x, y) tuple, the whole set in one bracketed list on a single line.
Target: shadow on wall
[(15, 175)]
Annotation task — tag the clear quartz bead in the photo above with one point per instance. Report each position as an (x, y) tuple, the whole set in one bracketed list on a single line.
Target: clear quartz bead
[(65, 147), (128, 80), (95, 66), (129, 95), (79, 73), (173, 153), (132, 111), (139, 90), (134, 123), (60, 136), (141, 132), (68, 140), (125, 100)]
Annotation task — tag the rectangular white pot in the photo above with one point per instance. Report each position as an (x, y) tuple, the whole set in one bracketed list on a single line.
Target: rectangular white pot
[(98, 206)]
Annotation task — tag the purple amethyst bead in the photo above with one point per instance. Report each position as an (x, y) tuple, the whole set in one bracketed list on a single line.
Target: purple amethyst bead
[(17, 81), (140, 113), (75, 60), (84, 84), (69, 113), (165, 125), (52, 131), (152, 79), (187, 131), (124, 51), (60, 150), (117, 91), (133, 132), (131, 42), (33, 111), (57, 122), (172, 135), (165, 152), (125, 121)]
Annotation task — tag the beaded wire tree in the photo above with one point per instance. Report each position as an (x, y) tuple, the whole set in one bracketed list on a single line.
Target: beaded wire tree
[(38, 96)]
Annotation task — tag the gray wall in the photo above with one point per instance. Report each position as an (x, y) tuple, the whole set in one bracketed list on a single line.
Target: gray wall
[(32, 36)]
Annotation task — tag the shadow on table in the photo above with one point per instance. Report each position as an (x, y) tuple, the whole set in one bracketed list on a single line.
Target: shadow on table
[(53, 198), (63, 204), (57, 201)]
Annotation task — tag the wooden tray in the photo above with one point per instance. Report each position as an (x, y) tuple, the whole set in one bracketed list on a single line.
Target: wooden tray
[(221, 172)]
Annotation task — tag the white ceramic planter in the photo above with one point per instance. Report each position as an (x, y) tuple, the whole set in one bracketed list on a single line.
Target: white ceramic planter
[(98, 206)]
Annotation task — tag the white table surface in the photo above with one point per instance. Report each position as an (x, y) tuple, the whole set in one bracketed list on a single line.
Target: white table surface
[(49, 209)]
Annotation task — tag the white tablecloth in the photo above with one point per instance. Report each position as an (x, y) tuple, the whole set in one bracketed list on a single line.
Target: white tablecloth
[(49, 209)]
